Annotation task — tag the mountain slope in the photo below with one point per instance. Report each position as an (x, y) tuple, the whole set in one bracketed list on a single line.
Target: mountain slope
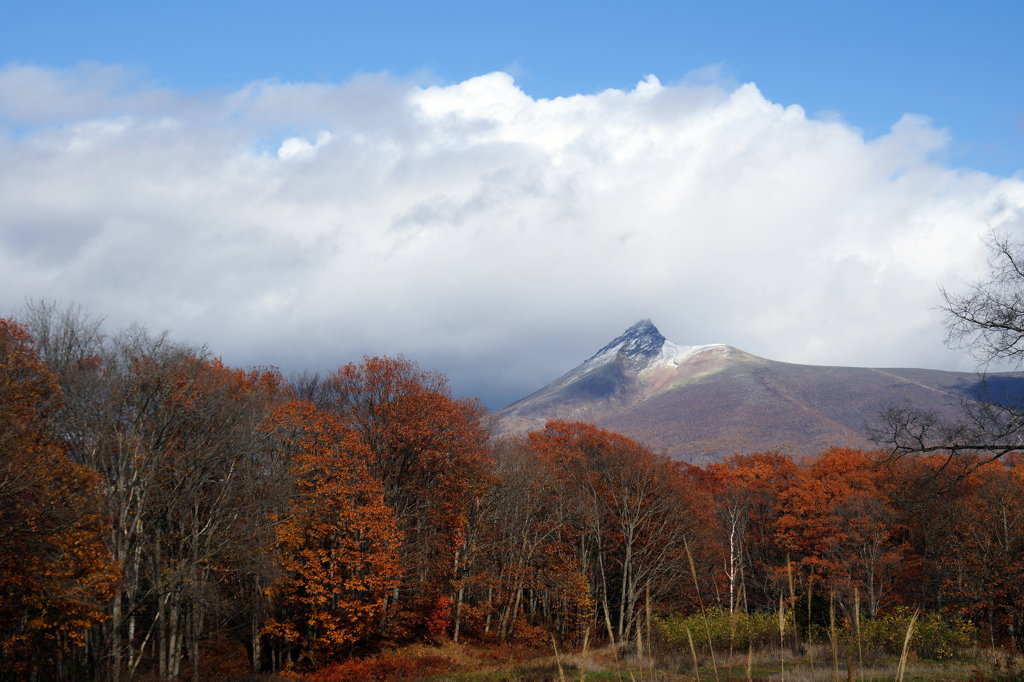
[(701, 403)]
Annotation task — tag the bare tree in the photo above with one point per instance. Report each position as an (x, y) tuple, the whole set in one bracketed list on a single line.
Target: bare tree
[(988, 321), (189, 480)]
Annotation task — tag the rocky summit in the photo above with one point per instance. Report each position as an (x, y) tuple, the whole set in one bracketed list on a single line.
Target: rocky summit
[(638, 345)]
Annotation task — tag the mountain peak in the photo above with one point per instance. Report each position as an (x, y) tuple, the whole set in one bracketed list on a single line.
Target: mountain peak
[(639, 344)]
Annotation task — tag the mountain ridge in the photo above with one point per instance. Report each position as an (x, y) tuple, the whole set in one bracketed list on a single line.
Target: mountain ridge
[(702, 403)]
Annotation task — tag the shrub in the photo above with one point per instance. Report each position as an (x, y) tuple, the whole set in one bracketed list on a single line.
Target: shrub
[(933, 637), (740, 630)]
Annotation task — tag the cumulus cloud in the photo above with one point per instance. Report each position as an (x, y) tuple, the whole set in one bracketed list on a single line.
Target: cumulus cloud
[(491, 235)]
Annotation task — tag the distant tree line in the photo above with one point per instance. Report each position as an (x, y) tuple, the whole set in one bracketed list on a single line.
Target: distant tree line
[(162, 513)]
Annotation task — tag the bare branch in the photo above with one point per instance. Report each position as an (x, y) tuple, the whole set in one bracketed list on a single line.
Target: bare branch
[(988, 320)]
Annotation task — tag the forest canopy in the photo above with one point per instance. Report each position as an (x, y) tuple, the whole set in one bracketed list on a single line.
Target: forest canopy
[(163, 511)]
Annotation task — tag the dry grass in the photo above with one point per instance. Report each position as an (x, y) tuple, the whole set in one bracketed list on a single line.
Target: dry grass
[(492, 663), (608, 664)]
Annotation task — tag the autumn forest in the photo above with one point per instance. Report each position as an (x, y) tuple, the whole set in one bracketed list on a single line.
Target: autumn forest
[(162, 512)]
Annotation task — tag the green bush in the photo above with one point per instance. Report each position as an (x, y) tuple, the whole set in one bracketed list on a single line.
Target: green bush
[(933, 638), (741, 630)]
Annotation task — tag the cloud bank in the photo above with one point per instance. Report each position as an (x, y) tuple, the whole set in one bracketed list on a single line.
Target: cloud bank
[(491, 235)]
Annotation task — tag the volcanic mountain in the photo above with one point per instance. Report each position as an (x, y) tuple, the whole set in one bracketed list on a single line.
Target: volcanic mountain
[(702, 403)]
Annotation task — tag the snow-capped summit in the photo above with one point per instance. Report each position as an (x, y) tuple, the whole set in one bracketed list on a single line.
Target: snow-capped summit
[(630, 368), (641, 348)]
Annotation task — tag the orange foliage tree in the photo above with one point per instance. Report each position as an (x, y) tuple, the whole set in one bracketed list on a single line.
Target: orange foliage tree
[(630, 516), (744, 492), (838, 520), (985, 552), (55, 574), (522, 577), (338, 544), (430, 454)]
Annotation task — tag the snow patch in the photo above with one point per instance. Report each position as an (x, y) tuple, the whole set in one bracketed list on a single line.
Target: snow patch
[(673, 355), (670, 356)]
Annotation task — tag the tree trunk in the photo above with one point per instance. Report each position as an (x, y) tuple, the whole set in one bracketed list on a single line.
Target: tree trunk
[(115, 639)]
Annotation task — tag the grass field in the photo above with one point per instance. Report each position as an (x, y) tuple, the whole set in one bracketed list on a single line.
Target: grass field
[(471, 663)]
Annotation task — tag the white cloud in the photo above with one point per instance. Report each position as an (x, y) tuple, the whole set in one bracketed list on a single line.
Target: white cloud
[(495, 236), (300, 148)]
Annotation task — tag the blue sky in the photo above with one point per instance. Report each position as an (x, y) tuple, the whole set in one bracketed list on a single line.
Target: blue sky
[(869, 62), (498, 189)]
